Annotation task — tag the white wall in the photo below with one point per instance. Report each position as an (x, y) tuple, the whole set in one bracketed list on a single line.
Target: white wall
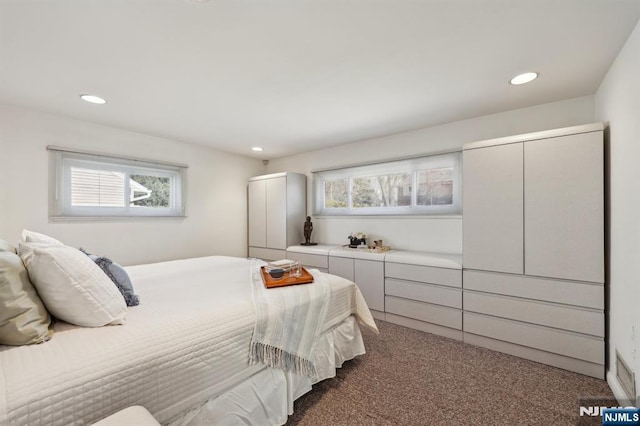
[(617, 101), (216, 191), (421, 233)]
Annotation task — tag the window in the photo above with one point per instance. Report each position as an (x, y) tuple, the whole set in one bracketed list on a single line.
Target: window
[(427, 185), (90, 185)]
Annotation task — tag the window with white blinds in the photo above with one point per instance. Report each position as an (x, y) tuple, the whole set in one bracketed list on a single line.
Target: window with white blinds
[(425, 185), (92, 185)]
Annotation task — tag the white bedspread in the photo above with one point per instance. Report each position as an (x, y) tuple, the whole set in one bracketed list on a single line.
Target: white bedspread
[(187, 341), (288, 323), (290, 320)]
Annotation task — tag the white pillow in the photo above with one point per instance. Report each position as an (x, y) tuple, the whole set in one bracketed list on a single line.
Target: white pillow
[(34, 237), (72, 287), (5, 246)]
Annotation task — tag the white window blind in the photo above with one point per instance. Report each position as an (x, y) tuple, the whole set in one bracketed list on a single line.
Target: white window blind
[(426, 185), (98, 185)]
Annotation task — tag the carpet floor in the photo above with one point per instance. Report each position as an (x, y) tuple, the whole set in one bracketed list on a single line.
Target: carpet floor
[(408, 377)]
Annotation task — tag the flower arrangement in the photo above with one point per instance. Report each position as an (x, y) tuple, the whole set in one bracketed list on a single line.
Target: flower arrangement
[(358, 235), (357, 239)]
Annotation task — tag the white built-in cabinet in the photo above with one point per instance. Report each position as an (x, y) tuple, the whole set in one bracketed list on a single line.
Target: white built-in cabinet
[(530, 281), (276, 213), (564, 207), (366, 270), (424, 291), (533, 247), (316, 257), (414, 289), (493, 216), (535, 207)]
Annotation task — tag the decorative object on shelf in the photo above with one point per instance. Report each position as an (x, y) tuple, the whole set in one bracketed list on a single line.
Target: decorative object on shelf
[(357, 239), (377, 243), (308, 228), (380, 249)]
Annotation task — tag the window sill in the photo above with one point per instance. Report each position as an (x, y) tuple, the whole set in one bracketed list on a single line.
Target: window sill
[(111, 218), (390, 216)]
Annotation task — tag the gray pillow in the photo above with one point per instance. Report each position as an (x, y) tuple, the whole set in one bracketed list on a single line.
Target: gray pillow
[(118, 275), (23, 318)]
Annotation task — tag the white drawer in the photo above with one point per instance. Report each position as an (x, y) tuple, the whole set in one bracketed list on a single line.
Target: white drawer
[(547, 339), (545, 357), (427, 274), (313, 260), (560, 291), (581, 320), (427, 327), (435, 314), (430, 293), (267, 254)]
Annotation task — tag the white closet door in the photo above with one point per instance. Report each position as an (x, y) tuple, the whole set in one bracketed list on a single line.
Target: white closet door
[(277, 213), (257, 214), (564, 218), (493, 208)]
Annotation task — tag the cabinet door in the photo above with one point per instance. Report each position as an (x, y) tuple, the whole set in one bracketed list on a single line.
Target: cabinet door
[(342, 267), (564, 218), (276, 213), (369, 276), (257, 214), (493, 208)]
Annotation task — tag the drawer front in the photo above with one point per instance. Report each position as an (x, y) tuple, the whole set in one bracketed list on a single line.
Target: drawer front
[(534, 336), (426, 274), (580, 320), (557, 360), (430, 293), (435, 314), (568, 292), (369, 276), (427, 327), (267, 254), (313, 260), (342, 267)]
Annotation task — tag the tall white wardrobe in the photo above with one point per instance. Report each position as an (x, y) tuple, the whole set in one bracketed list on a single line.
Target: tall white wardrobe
[(277, 206), (533, 247)]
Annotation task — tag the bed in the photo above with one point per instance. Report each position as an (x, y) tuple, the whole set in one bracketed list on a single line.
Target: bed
[(183, 353)]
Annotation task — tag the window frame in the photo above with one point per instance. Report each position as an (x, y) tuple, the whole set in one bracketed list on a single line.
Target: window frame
[(411, 166), (61, 198)]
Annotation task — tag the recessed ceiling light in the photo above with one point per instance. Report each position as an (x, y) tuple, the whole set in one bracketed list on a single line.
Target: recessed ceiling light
[(524, 78), (93, 99), (257, 149)]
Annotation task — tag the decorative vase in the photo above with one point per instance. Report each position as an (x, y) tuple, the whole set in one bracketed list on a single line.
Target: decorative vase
[(355, 242)]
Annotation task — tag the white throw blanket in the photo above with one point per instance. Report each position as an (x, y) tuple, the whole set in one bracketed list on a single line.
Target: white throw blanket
[(288, 322)]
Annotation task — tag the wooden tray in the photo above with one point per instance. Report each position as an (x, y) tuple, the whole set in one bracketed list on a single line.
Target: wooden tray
[(304, 278)]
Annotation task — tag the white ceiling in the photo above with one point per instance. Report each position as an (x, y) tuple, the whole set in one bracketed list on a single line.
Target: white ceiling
[(298, 75)]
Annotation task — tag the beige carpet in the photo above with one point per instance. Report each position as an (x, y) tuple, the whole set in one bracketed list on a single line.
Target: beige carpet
[(409, 377)]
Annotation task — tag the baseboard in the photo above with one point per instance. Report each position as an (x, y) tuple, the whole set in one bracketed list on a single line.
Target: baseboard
[(619, 393), (555, 360), (378, 315)]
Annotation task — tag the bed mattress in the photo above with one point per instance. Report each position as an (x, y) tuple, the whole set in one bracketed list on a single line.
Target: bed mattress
[(185, 343)]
